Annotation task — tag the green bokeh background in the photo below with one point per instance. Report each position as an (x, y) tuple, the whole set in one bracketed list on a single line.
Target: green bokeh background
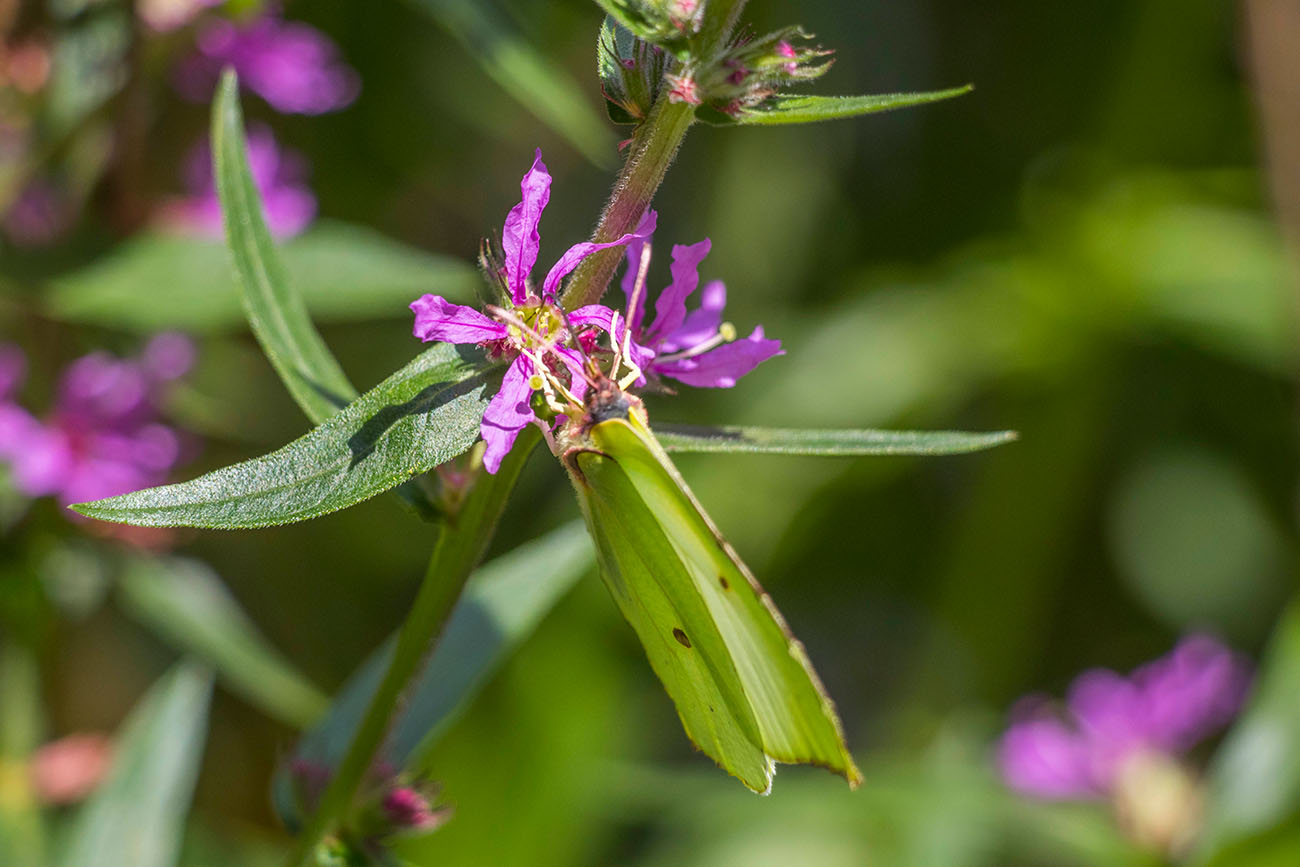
[(1081, 250)]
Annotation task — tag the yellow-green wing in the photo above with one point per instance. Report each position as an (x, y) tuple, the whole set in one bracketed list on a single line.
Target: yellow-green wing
[(796, 720)]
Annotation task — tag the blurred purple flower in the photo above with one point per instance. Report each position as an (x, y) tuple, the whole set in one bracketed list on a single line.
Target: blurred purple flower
[(291, 65), (279, 174), (163, 16), (39, 215), (694, 347), (436, 318), (103, 436), (1164, 708)]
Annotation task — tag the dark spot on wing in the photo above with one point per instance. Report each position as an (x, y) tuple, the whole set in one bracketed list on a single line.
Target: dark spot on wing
[(722, 579), (681, 637)]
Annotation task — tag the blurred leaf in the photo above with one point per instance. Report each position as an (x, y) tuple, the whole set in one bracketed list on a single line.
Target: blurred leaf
[(786, 441), (1255, 778), (22, 834), (158, 282), (137, 816), (793, 108), (525, 73), (276, 312), (423, 415), (743, 686), (498, 610), (187, 604)]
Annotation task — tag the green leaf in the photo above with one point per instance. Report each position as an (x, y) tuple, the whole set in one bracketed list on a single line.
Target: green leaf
[(1255, 778), (743, 686), (786, 108), (499, 609), (423, 415), (157, 282), (137, 816), (276, 312), (786, 441), (188, 605), (542, 88)]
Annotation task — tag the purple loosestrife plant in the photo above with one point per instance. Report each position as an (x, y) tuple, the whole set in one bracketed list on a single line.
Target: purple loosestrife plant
[(104, 435), (1126, 739), (279, 173), (528, 329), (291, 65)]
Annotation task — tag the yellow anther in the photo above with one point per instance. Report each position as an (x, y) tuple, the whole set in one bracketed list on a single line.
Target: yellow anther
[(727, 331)]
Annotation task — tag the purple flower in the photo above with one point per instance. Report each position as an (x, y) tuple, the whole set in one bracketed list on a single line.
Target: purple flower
[(528, 330), (280, 176), (103, 436), (1164, 708), (696, 347), (291, 65)]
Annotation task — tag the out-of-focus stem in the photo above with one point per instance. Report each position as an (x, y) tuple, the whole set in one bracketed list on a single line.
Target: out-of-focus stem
[(21, 834), (461, 544), (649, 155)]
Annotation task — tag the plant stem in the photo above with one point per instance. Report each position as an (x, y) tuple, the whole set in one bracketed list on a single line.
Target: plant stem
[(652, 151), (21, 834), (461, 544)]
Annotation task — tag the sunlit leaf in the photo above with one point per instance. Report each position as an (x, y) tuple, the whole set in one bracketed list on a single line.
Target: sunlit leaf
[(791, 108), (137, 816), (345, 272), (187, 604), (275, 310), (542, 88), (501, 605), (785, 441), (423, 415), (743, 686)]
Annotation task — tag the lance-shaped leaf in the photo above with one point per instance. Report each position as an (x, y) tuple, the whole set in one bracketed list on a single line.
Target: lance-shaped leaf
[(499, 609), (743, 686), (788, 108), (138, 815), (345, 271), (187, 604), (787, 441), (423, 415), (522, 71), (276, 312)]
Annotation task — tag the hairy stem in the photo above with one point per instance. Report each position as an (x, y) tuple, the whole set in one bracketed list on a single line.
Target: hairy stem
[(460, 546), (649, 155)]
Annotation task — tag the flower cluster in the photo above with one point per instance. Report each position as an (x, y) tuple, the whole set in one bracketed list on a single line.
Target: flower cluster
[(103, 436), (1123, 737), (752, 71), (291, 65), (280, 176), (545, 345)]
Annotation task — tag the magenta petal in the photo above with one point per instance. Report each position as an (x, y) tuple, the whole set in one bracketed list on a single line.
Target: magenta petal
[(168, 356), (722, 367), (508, 413), (1192, 692), (701, 324), (670, 307), (603, 318), (636, 248), (520, 239), (1043, 758), (575, 254), (436, 318)]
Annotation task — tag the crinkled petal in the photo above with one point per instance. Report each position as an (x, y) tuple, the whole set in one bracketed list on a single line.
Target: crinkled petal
[(573, 360), (509, 412), (1045, 759), (573, 257), (520, 240), (436, 318), (603, 318), (701, 325), (670, 307), (636, 248), (722, 367)]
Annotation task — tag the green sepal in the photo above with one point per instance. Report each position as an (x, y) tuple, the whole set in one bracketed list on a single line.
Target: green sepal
[(789, 108), (424, 415), (743, 686)]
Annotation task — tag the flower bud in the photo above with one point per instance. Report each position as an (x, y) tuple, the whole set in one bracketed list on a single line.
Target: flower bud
[(754, 69)]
